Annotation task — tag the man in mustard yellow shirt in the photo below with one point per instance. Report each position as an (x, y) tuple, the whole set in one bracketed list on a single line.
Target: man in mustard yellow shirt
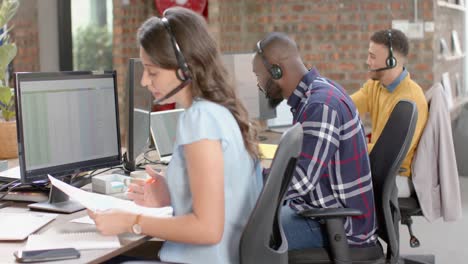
[(389, 83)]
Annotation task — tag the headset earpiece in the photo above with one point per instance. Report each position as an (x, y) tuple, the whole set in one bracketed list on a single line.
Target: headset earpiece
[(275, 70), (391, 62)]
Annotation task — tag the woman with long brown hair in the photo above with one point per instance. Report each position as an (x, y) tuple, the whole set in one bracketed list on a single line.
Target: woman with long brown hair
[(213, 179)]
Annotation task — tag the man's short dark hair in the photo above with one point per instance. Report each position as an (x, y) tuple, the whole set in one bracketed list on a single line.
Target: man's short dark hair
[(399, 40)]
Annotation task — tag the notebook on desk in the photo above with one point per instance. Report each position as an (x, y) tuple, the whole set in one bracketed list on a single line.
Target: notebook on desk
[(163, 132), (21, 225)]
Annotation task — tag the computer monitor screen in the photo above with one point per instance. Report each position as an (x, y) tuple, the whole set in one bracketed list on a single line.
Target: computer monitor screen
[(239, 65), (164, 129), (138, 115), (67, 123)]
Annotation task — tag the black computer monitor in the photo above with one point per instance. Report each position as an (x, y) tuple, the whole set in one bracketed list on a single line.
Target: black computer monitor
[(67, 122), (239, 65), (138, 115)]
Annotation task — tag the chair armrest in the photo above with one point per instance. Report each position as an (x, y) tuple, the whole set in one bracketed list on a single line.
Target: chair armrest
[(330, 212), (334, 222)]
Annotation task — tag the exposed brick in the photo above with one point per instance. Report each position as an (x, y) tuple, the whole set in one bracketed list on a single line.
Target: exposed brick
[(359, 76), (375, 5), (347, 66), (332, 35), (26, 37)]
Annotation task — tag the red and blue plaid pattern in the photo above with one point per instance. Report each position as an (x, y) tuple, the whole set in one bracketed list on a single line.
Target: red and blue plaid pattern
[(333, 169)]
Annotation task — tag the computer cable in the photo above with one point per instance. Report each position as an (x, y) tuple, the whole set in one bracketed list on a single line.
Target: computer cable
[(106, 170), (148, 161), (11, 188), (81, 179), (7, 185)]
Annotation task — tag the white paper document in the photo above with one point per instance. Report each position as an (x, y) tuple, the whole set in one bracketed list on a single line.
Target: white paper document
[(18, 226), (80, 241), (83, 220), (95, 201), (12, 173)]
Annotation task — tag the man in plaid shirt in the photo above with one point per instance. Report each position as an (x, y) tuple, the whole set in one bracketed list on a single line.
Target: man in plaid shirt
[(333, 169)]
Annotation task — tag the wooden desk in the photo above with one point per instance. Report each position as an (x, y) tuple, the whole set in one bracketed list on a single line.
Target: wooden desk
[(62, 224)]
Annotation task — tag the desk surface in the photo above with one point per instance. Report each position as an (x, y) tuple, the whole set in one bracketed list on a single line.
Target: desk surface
[(62, 224)]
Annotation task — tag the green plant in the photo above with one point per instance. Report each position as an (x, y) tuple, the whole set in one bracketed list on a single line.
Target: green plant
[(8, 51), (92, 48)]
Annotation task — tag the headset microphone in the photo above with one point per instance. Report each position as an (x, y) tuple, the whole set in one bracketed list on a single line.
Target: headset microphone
[(173, 92), (381, 69)]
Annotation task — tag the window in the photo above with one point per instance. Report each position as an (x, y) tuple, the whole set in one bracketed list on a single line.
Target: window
[(85, 34), (91, 23)]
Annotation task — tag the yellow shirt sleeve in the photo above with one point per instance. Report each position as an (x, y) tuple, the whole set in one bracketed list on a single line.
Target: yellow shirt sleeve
[(361, 99)]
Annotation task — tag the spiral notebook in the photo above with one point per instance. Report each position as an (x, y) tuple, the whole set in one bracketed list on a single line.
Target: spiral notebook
[(80, 241)]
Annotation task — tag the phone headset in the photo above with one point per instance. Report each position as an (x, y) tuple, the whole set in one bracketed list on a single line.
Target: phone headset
[(274, 69), (186, 77), (391, 61)]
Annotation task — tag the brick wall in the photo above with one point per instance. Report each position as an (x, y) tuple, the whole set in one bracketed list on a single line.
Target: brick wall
[(332, 35), (127, 19), (25, 35)]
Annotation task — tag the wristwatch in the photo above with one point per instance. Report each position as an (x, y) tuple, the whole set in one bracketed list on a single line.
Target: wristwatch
[(136, 227)]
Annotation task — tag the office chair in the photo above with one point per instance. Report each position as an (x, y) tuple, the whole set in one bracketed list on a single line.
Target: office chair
[(410, 207), (385, 159), (263, 239)]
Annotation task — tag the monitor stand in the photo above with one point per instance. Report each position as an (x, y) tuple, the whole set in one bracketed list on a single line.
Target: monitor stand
[(58, 202)]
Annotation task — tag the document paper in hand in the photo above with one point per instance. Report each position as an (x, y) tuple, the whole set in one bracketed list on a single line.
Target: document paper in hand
[(95, 201)]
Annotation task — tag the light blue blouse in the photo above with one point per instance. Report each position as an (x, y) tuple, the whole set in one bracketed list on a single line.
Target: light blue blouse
[(242, 181)]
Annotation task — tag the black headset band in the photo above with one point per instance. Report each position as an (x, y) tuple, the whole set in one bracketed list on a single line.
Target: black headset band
[(262, 55), (182, 63), (274, 69), (390, 47)]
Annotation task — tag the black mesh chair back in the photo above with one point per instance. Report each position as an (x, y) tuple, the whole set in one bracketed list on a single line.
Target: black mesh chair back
[(263, 240), (386, 158)]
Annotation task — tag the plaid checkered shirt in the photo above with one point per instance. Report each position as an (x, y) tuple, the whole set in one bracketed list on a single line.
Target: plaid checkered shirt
[(333, 169)]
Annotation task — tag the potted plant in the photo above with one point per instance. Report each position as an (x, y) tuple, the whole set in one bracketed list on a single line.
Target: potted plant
[(8, 140)]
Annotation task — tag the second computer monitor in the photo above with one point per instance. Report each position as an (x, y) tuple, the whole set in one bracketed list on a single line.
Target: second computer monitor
[(138, 115)]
